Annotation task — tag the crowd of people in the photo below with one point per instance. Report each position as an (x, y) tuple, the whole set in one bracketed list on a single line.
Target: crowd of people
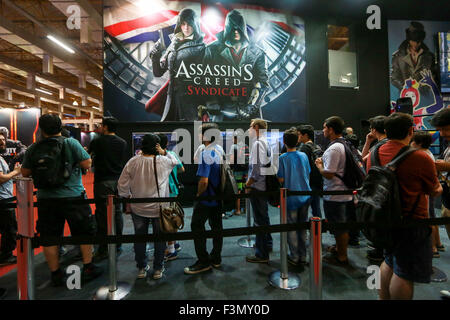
[(302, 166)]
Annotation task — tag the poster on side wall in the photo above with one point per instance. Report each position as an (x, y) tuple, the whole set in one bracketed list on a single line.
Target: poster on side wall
[(187, 61), (416, 67)]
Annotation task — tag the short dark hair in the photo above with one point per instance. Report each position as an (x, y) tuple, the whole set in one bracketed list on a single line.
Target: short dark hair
[(149, 142), (163, 140), (111, 123), (306, 129), (423, 139), (209, 125), (336, 123), (290, 138), (442, 118), (377, 123), (50, 124), (397, 125)]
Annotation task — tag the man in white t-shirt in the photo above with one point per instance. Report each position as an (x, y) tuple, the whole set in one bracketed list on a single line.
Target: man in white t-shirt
[(331, 167)]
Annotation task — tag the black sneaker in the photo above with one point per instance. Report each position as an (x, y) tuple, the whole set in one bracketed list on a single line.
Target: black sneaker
[(58, 279), (197, 268), (298, 263), (216, 263), (100, 255), (256, 259), (3, 293), (91, 272), (6, 259)]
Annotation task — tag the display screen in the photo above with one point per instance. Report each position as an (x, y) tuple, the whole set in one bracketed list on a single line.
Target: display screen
[(137, 140)]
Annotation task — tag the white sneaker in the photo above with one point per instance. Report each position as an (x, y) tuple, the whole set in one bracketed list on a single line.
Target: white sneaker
[(445, 293), (158, 273), (143, 272)]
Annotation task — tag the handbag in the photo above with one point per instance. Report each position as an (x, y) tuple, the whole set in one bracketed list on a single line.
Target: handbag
[(445, 196), (171, 219)]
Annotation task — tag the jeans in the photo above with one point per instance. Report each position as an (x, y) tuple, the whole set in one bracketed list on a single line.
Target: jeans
[(140, 253), (315, 206), (101, 190), (200, 215), (8, 230), (261, 218), (297, 239)]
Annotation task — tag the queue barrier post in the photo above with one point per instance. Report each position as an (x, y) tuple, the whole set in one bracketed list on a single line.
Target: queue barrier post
[(115, 290), (315, 290), (283, 279), (25, 229), (248, 241)]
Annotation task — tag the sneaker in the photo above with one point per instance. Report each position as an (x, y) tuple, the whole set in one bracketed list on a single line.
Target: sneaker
[(63, 251), (216, 264), (58, 279), (370, 246), (256, 259), (158, 273), (6, 259), (177, 247), (197, 268), (171, 256), (227, 215), (100, 256), (334, 260), (375, 255), (91, 272), (436, 254), (445, 294), (142, 273), (3, 293), (299, 263), (440, 248)]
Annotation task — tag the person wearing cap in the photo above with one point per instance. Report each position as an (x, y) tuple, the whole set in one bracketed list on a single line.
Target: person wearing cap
[(15, 150), (412, 57), (140, 180)]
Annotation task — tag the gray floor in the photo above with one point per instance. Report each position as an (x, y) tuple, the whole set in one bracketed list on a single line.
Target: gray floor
[(236, 279)]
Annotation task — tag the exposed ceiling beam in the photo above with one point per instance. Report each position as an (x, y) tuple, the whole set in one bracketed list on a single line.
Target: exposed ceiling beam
[(45, 45), (21, 66), (48, 30), (56, 100), (90, 10)]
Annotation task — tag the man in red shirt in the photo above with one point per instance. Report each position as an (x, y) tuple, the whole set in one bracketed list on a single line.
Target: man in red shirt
[(410, 260)]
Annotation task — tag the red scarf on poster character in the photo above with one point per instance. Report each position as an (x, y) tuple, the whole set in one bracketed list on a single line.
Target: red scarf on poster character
[(156, 103)]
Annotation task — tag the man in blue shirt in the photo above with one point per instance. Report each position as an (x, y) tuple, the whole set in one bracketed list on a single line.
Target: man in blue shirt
[(293, 174), (56, 204), (208, 185)]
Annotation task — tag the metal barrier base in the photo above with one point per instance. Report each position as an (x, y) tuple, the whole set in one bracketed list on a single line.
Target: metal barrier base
[(246, 242), (123, 289), (438, 275), (293, 281)]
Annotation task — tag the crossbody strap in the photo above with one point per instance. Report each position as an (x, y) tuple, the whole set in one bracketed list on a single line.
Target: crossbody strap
[(157, 183)]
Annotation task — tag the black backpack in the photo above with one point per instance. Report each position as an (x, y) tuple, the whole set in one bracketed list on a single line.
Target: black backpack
[(227, 186), (272, 183), (354, 172), (378, 200), (49, 163), (313, 151)]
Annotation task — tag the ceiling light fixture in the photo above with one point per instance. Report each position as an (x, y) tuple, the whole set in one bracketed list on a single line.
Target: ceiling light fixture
[(61, 44)]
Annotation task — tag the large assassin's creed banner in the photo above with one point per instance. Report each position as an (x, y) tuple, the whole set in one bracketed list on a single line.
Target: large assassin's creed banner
[(222, 62), (414, 67)]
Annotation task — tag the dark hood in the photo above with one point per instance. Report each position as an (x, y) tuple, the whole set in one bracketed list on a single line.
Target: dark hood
[(191, 18), (234, 21)]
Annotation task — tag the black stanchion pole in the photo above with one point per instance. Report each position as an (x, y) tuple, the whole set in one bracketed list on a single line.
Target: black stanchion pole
[(283, 279), (25, 228), (247, 242), (115, 290)]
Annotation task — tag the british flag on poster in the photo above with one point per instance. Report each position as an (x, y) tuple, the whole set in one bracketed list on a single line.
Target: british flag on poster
[(134, 21)]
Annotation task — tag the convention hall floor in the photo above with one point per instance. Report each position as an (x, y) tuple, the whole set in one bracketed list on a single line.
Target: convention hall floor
[(236, 279)]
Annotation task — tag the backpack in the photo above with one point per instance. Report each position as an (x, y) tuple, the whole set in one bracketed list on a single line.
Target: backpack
[(227, 185), (313, 151), (354, 172), (379, 200), (272, 183), (49, 163)]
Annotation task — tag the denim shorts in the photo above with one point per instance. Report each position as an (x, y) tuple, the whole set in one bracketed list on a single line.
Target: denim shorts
[(336, 212), (412, 256)]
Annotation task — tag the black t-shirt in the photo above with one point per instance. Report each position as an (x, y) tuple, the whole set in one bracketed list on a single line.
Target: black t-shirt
[(108, 155)]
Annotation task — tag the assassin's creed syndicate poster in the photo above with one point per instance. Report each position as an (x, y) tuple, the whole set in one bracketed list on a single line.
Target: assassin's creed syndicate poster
[(186, 61)]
